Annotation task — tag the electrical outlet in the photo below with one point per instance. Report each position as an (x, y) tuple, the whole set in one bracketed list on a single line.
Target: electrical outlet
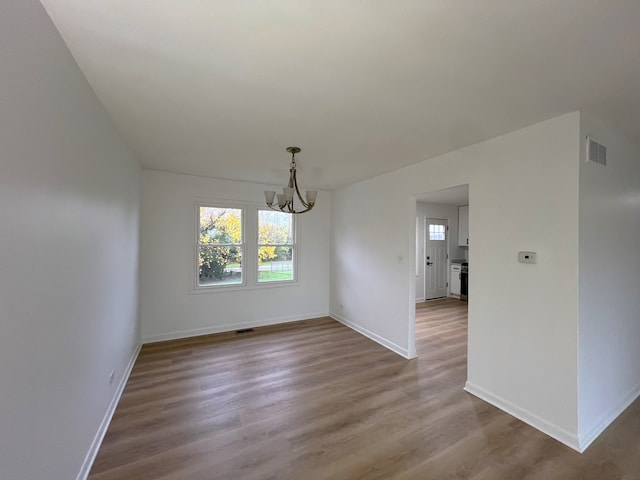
[(527, 257), (112, 375)]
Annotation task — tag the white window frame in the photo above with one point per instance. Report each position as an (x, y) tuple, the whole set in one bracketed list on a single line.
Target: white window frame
[(294, 250), (249, 249), (243, 246)]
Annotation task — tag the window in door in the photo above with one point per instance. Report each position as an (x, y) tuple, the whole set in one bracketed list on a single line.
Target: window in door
[(436, 232)]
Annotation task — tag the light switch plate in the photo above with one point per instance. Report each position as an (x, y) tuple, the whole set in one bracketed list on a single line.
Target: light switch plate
[(527, 257)]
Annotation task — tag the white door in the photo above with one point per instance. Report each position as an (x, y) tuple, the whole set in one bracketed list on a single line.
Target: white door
[(435, 270)]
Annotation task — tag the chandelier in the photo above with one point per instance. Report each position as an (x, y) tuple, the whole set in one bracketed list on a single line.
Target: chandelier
[(286, 199)]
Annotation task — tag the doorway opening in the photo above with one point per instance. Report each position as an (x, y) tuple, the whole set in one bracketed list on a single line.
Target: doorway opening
[(442, 248)]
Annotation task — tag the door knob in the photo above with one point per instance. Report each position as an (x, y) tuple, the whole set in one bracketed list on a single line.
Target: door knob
[(429, 263)]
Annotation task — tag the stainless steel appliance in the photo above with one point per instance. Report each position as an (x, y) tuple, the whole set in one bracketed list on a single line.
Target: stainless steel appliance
[(464, 282)]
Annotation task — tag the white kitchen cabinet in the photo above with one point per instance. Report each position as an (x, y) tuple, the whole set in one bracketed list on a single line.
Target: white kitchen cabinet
[(455, 279), (463, 226)]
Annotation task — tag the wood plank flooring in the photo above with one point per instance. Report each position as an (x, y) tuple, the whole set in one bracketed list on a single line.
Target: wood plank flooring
[(315, 400)]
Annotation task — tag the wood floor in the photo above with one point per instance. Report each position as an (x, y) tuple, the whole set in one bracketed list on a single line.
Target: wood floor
[(315, 400)]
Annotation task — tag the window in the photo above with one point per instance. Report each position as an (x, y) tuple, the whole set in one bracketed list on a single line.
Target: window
[(436, 232), (220, 246), (242, 246), (276, 245)]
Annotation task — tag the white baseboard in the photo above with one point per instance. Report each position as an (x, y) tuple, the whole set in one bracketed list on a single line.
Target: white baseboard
[(421, 299), (560, 434), (605, 420), (373, 336), (230, 327), (106, 420)]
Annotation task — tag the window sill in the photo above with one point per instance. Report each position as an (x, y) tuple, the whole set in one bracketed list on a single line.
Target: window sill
[(244, 288)]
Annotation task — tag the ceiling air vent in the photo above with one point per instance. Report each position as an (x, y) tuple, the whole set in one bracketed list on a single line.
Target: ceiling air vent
[(596, 152)]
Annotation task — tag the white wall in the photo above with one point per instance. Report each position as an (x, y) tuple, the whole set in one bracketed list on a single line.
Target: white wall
[(441, 212), (609, 357), (523, 189), (169, 307), (69, 198)]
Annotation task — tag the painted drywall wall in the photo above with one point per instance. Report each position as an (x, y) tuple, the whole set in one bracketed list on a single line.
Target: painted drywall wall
[(170, 309), (442, 212), (523, 190), (69, 210), (609, 304)]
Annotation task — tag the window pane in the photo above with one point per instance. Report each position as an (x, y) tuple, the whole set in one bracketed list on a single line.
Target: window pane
[(220, 225), (275, 228), (219, 265), (275, 263), (275, 246), (436, 232)]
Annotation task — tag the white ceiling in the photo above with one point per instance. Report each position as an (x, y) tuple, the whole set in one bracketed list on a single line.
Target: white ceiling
[(221, 87)]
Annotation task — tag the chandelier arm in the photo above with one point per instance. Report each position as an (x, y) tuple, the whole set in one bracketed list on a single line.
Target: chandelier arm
[(302, 211), (288, 210), (295, 183)]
